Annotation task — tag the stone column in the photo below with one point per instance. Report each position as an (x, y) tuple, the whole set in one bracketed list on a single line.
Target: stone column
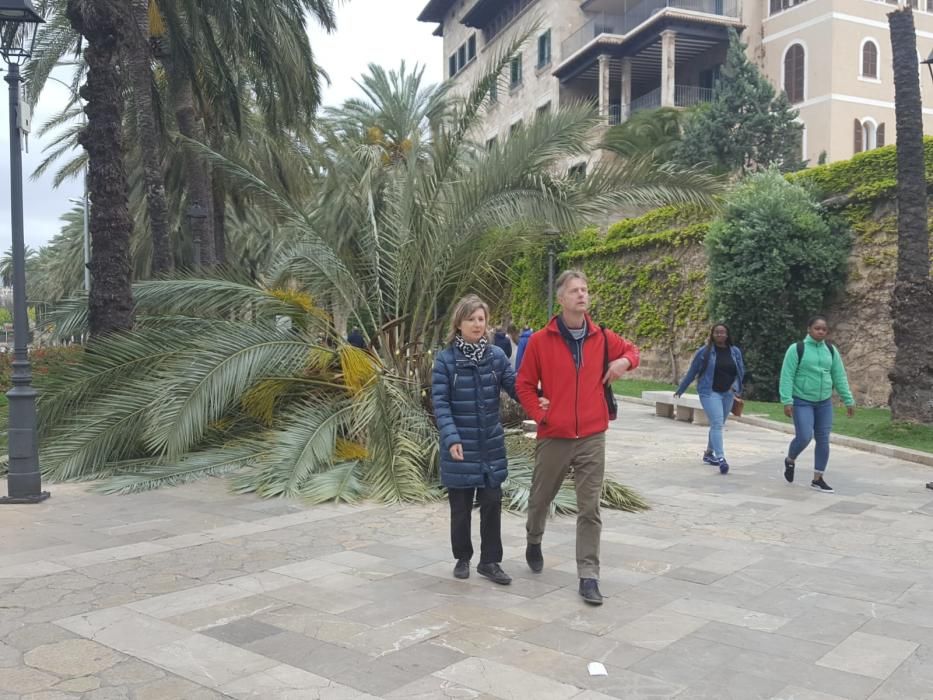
[(604, 87), (626, 106), (668, 63)]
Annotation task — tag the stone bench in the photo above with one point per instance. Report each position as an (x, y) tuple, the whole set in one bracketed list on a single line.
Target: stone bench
[(687, 408)]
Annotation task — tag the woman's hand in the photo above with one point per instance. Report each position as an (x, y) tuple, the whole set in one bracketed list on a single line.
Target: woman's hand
[(789, 411), (850, 411), (544, 403), (456, 452)]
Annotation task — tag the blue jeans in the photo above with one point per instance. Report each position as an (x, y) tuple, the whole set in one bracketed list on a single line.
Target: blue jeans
[(812, 420), (718, 405)]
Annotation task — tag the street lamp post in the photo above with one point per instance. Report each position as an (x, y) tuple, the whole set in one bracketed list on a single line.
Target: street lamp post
[(18, 24), (195, 212)]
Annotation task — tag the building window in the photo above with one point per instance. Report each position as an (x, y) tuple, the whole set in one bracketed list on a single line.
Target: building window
[(491, 143), (578, 171), (544, 109), (494, 92), (515, 127), (462, 57), (510, 10), (544, 49), (776, 6), (515, 72), (794, 73), (866, 135), (869, 59)]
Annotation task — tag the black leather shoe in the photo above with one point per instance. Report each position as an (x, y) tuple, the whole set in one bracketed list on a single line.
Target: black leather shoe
[(462, 569), (534, 557), (494, 573), (589, 589)]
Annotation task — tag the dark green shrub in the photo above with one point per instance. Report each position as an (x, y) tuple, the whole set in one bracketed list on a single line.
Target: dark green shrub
[(774, 260)]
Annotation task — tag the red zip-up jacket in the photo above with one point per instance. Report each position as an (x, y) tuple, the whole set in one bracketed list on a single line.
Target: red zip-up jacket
[(578, 403)]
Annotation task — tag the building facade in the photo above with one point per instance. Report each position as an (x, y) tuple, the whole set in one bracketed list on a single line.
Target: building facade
[(831, 57)]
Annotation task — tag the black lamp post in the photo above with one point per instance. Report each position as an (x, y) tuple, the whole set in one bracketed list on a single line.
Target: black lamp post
[(18, 24), (195, 213)]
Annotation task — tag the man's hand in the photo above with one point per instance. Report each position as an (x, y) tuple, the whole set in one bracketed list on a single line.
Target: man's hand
[(616, 369), (789, 411), (456, 452), (850, 411), (543, 403)]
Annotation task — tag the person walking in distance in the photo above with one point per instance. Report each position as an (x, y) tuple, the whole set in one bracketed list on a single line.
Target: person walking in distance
[(719, 370), (812, 369), (466, 381), (572, 359)]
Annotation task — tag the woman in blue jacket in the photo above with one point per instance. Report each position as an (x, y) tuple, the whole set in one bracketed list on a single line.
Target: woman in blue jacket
[(467, 378), (719, 370)]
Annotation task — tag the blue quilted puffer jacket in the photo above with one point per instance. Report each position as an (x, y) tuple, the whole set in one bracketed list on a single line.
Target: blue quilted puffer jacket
[(466, 407)]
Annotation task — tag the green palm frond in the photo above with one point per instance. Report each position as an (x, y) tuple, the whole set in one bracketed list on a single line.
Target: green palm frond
[(341, 483), (200, 384), (145, 477)]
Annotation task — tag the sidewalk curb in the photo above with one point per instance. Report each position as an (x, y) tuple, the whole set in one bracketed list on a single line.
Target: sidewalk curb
[(878, 448)]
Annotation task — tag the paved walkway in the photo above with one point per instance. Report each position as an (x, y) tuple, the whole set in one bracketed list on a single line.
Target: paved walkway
[(730, 587)]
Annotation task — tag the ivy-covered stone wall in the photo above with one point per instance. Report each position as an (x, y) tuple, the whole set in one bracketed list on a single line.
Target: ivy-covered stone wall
[(648, 275)]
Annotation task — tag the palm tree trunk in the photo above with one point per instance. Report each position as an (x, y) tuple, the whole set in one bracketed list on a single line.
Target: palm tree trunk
[(140, 74), (110, 302), (912, 300), (199, 177), (219, 206)]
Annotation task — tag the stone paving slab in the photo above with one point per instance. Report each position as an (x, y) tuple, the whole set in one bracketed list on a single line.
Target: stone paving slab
[(739, 586)]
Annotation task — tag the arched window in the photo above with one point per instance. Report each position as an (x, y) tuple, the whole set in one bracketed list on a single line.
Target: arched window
[(869, 67), (867, 134), (794, 73)]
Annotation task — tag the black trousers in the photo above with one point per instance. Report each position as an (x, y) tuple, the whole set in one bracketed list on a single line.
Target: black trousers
[(490, 523)]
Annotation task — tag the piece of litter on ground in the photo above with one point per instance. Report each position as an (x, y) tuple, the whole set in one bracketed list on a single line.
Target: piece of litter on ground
[(597, 669)]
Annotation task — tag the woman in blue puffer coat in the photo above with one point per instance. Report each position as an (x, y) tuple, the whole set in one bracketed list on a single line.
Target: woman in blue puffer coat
[(467, 378)]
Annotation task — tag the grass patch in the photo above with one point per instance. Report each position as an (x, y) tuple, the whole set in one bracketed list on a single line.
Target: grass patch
[(868, 423)]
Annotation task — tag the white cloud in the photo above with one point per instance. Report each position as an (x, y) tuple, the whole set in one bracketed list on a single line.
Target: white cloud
[(368, 31)]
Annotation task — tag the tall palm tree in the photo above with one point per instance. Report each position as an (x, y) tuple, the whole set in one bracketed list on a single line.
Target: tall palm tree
[(255, 375), (136, 48), (912, 299), (110, 302)]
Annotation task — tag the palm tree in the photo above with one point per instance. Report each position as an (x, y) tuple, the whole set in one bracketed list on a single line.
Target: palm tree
[(912, 299), (136, 48), (220, 60), (255, 376), (110, 301), (655, 133)]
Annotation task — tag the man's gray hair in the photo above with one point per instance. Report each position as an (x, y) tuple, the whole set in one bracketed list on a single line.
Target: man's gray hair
[(568, 275)]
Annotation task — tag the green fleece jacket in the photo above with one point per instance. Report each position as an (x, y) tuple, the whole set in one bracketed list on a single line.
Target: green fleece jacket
[(814, 377)]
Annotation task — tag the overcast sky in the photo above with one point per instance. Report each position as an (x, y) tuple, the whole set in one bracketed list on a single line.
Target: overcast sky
[(368, 31)]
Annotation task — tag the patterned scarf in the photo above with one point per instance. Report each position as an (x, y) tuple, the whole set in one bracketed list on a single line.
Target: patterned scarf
[(474, 352)]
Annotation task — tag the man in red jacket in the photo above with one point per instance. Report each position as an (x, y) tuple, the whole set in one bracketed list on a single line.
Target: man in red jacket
[(566, 358)]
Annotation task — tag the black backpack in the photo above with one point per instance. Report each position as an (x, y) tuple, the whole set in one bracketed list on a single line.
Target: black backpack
[(607, 388), (800, 348)]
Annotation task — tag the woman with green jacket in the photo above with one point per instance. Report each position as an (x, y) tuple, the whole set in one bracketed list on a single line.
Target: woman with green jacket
[(812, 369)]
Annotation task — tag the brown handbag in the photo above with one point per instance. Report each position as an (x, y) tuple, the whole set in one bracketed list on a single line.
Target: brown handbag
[(738, 405)]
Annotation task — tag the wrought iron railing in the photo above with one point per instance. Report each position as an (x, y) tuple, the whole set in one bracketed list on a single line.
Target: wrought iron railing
[(619, 24), (689, 95), (650, 100)]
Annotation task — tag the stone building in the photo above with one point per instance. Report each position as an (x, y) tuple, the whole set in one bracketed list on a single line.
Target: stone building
[(832, 58)]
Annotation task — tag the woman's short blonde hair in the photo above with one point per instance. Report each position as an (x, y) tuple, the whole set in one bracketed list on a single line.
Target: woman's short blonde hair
[(463, 310)]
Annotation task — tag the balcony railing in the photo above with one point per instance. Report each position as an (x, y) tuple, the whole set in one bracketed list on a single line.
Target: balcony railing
[(689, 95), (603, 23)]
